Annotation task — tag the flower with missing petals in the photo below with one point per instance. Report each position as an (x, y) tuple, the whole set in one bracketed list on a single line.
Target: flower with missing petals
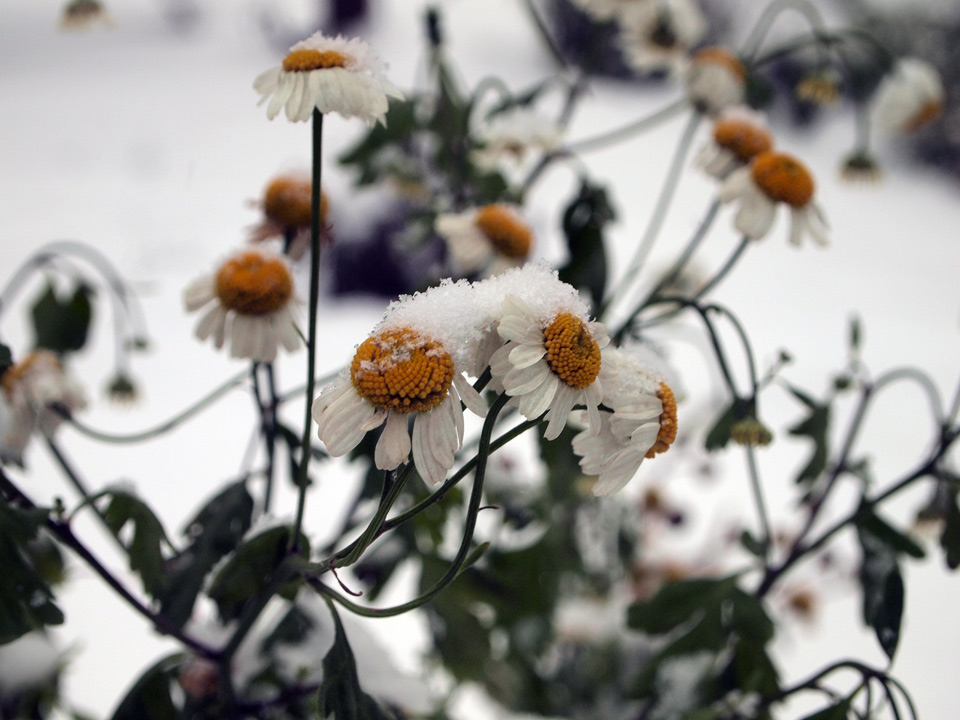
[(716, 79), (639, 421), (513, 135), (329, 74), (251, 298), (739, 135), (658, 35), (770, 179), (287, 211), (490, 239), (909, 98), (36, 394)]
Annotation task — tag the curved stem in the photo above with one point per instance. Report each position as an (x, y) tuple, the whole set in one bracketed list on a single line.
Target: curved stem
[(925, 383), (751, 45), (544, 34), (724, 269), (612, 137), (758, 501)]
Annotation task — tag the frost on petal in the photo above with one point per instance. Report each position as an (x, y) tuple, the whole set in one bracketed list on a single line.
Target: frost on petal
[(393, 447)]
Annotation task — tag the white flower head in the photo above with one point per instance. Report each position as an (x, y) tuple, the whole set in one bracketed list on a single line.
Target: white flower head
[(909, 98), (332, 75), (770, 179), (738, 136), (606, 9), (250, 297), (35, 392), (411, 366), (491, 238), (287, 213), (716, 79), (658, 35), (513, 135), (641, 422)]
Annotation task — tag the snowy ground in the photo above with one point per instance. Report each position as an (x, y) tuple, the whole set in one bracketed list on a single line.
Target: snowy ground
[(146, 144)]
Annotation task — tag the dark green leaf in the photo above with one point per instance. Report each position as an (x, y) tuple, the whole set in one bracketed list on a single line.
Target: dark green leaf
[(950, 537), (677, 602), (584, 220), (62, 325), (882, 587), (815, 427), (897, 541), (749, 543), (150, 697), (146, 557), (291, 630), (6, 358), (719, 434), (838, 711)]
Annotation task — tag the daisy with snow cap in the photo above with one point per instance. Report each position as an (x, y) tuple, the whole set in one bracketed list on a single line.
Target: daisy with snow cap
[(287, 211), (251, 298), (513, 135), (332, 75), (551, 360), (642, 424), (909, 98), (658, 34), (411, 366), (491, 238), (716, 79), (772, 178), (738, 136)]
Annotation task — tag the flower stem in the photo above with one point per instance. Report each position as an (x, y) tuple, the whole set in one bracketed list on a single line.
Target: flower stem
[(611, 137), (753, 42)]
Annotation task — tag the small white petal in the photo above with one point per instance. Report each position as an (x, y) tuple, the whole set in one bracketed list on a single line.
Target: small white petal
[(393, 447)]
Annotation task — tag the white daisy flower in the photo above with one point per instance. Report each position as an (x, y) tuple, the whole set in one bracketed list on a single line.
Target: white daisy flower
[(551, 360), (738, 136), (33, 392), (513, 135), (716, 79), (642, 424), (910, 97), (658, 34), (251, 297), (771, 178), (332, 75), (287, 211), (411, 366), (490, 238)]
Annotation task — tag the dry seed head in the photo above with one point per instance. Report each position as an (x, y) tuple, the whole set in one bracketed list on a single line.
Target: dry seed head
[(288, 202)]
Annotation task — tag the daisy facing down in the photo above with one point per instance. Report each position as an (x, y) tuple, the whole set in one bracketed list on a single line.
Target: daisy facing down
[(251, 298), (329, 74)]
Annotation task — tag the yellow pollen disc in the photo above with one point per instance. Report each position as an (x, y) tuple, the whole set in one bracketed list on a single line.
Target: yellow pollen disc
[(783, 178), (14, 374), (288, 202), (924, 116), (252, 284), (572, 353), (401, 371), (307, 60), (721, 56), (507, 234), (668, 422), (743, 139)]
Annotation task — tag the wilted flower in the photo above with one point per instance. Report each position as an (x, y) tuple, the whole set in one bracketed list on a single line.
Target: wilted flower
[(739, 135), (121, 389), (751, 432), (84, 14), (771, 178), (251, 297), (659, 35), (491, 238), (820, 88), (329, 74), (514, 134), (287, 211), (909, 98), (716, 79)]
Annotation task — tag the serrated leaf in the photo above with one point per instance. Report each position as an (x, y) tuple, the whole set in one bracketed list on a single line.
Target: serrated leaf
[(146, 555), (883, 591), (150, 697), (62, 325), (814, 426)]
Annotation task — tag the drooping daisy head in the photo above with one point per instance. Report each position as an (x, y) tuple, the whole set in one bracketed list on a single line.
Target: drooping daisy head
[(909, 98), (332, 75), (250, 297), (287, 210), (409, 367), (738, 136), (716, 79), (659, 35), (36, 392), (84, 14), (774, 178), (513, 135), (488, 239)]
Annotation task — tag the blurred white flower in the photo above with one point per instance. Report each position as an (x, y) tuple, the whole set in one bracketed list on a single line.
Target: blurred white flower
[(716, 79), (251, 298), (332, 75), (909, 98), (658, 35), (287, 211), (513, 135), (772, 178), (491, 238), (738, 136)]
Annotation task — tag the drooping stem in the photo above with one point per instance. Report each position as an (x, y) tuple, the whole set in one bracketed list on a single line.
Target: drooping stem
[(758, 500), (312, 326), (612, 137), (753, 42)]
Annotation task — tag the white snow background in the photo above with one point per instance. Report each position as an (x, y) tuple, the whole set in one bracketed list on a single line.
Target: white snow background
[(146, 144)]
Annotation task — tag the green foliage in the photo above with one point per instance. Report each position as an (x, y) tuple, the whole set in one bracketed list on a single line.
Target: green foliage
[(584, 220), (62, 324), (838, 711), (882, 585), (814, 426), (6, 359), (950, 537), (719, 434), (144, 549), (150, 697)]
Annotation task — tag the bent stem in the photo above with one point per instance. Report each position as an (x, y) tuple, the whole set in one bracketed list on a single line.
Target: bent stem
[(612, 137)]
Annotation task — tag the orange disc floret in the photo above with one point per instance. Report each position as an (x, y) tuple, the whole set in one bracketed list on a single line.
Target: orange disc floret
[(668, 422), (723, 57), (254, 284), (306, 60), (15, 373), (402, 371), (507, 234), (743, 139), (783, 178), (288, 202), (572, 353)]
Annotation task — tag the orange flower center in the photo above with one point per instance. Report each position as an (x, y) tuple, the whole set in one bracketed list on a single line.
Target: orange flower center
[(254, 284), (401, 371), (15, 374), (783, 178), (924, 116), (307, 60), (723, 57), (668, 422), (507, 234), (743, 139), (572, 353), (288, 202), (819, 89)]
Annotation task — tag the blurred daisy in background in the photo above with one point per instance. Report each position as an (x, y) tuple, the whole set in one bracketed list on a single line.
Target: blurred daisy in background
[(658, 36), (513, 136), (487, 239), (287, 210), (909, 98), (716, 79), (738, 136)]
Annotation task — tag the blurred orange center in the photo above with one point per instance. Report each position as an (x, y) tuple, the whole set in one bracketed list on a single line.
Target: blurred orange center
[(783, 178), (722, 57), (572, 353), (288, 202), (307, 60), (507, 234), (254, 284), (742, 138)]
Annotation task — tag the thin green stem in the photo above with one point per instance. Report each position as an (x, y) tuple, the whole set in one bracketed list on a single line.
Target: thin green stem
[(631, 129), (725, 268), (751, 45), (544, 34), (759, 501)]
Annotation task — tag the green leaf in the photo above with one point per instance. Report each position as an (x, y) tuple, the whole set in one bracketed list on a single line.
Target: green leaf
[(62, 325), (897, 541), (6, 358), (340, 695), (677, 602), (584, 220), (150, 697), (883, 590), (856, 335), (146, 557), (837, 711), (950, 537), (813, 426)]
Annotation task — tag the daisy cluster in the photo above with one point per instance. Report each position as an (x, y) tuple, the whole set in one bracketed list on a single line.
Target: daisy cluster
[(533, 334)]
